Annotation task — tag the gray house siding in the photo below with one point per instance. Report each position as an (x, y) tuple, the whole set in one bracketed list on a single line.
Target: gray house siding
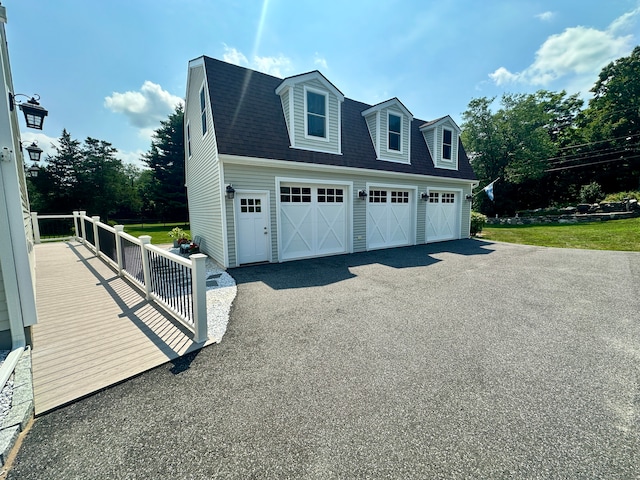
[(203, 173), (4, 309)]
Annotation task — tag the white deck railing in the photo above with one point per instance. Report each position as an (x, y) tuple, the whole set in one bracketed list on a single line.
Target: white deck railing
[(176, 283)]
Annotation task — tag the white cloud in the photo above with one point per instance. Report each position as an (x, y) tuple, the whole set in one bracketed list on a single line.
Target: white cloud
[(144, 108), (320, 61), (546, 16), (279, 66), (133, 158), (576, 55)]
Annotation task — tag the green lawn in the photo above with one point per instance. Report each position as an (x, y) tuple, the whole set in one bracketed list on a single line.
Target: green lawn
[(159, 232), (608, 235)]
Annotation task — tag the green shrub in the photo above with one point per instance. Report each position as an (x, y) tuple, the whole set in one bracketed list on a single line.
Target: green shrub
[(591, 193), (620, 196), (478, 221)]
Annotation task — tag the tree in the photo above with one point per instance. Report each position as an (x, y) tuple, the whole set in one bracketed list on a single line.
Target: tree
[(516, 143), (166, 161), (611, 125)]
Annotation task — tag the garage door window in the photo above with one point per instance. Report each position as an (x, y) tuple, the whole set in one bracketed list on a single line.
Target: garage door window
[(295, 194), (377, 196), (448, 198), (399, 197), (434, 197), (330, 195)]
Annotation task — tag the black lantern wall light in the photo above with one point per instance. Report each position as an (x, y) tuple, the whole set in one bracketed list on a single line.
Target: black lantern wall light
[(33, 113)]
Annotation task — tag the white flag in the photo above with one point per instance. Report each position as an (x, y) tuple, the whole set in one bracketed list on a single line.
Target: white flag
[(489, 190)]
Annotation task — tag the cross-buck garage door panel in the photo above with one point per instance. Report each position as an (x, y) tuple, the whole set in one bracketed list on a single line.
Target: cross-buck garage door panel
[(313, 221), (443, 214), (389, 218)]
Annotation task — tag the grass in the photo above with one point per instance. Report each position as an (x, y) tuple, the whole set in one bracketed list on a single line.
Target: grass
[(621, 235), (159, 232)]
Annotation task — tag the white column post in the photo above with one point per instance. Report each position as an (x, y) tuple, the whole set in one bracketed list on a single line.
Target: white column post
[(75, 224), (84, 233), (95, 219), (146, 268), (119, 229), (36, 227), (199, 292)]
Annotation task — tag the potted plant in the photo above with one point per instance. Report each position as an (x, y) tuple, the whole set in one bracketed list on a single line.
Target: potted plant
[(179, 236)]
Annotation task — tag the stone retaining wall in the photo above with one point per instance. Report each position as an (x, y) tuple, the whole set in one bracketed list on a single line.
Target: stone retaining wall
[(577, 218)]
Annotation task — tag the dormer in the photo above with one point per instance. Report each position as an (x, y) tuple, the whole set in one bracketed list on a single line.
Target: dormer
[(389, 125), (312, 108), (441, 136)]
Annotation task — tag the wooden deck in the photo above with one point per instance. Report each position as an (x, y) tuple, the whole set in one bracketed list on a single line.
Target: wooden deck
[(94, 328)]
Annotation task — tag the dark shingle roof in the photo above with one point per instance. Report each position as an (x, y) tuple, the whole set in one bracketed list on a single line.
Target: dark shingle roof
[(249, 121)]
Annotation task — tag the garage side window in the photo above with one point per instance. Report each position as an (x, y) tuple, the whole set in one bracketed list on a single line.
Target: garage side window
[(330, 195), (434, 197), (377, 196), (295, 194)]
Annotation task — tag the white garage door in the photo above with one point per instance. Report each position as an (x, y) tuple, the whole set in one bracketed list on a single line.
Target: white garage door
[(313, 221), (389, 218), (442, 216)]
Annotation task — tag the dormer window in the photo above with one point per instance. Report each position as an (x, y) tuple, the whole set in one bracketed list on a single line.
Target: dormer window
[(316, 114), (395, 132), (447, 136)]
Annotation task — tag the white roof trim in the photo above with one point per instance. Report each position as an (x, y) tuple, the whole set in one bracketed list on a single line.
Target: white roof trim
[(392, 102), (445, 119), (305, 77)]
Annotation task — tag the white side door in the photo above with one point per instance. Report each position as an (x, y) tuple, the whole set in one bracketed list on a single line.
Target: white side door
[(252, 233)]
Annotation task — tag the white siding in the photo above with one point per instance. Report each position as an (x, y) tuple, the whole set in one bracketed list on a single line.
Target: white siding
[(203, 173)]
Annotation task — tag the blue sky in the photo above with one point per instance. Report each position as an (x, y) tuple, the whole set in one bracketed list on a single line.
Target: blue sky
[(113, 70)]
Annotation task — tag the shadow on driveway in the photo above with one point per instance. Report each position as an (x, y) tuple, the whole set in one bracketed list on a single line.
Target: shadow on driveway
[(328, 270)]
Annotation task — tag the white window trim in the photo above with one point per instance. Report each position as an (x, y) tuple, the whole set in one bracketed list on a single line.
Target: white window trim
[(326, 116), (396, 114), (188, 134), (448, 160), (206, 101)]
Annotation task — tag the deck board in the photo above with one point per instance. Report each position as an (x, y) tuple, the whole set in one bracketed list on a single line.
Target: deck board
[(94, 328)]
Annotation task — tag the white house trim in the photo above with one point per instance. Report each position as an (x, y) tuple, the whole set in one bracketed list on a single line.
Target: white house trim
[(265, 162)]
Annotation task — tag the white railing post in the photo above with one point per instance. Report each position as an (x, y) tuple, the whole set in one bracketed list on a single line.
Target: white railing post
[(119, 229), (76, 230), (36, 227), (199, 292), (95, 219), (146, 268), (84, 233)]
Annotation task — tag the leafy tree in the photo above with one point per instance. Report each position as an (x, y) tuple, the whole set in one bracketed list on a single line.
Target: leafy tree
[(516, 142), (166, 161), (611, 126)]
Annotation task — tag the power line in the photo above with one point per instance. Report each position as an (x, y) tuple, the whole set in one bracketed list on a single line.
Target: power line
[(592, 163)]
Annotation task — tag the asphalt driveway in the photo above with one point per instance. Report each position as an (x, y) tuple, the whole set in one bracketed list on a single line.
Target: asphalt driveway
[(465, 359)]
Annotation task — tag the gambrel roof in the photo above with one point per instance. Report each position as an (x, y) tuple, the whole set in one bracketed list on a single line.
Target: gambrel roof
[(249, 121)]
